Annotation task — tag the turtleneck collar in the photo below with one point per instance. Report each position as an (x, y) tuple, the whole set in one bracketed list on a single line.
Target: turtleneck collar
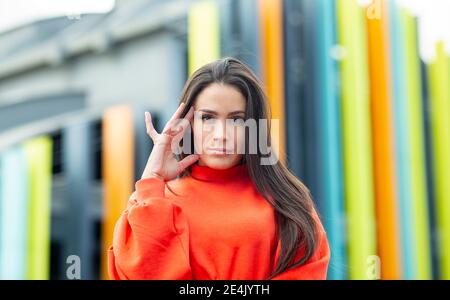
[(205, 173)]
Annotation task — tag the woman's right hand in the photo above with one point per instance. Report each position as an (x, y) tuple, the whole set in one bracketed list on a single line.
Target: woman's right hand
[(162, 162)]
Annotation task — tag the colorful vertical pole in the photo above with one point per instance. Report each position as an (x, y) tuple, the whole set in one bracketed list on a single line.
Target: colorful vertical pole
[(297, 136), (249, 51), (311, 123), (357, 145), (39, 168), (117, 170), (439, 75), (271, 30), (417, 159), (326, 85), (78, 162), (13, 214), (429, 169), (239, 31), (203, 34), (402, 142), (385, 179)]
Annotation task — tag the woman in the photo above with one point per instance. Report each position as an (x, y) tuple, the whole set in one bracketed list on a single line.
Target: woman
[(219, 213)]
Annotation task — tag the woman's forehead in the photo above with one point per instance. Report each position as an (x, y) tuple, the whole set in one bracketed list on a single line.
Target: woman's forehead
[(220, 98)]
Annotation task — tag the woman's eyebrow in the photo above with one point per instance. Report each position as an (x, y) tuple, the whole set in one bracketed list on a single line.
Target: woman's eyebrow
[(208, 111), (236, 112), (215, 113)]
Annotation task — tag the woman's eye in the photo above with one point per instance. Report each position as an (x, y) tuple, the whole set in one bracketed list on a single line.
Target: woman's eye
[(238, 121), (206, 117)]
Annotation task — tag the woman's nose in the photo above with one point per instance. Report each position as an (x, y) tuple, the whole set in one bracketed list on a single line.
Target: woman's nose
[(220, 131)]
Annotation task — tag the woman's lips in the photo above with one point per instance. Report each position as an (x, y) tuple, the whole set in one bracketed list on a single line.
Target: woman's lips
[(219, 151)]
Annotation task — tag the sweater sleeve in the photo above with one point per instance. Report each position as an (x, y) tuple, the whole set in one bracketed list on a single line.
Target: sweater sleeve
[(316, 267), (151, 237)]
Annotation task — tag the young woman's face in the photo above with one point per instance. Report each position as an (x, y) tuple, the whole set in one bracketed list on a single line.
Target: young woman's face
[(217, 126)]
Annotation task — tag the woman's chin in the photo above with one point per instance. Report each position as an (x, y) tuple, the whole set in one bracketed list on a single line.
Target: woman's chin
[(219, 162)]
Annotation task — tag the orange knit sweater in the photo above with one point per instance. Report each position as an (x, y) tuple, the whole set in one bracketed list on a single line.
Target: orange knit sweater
[(218, 227)]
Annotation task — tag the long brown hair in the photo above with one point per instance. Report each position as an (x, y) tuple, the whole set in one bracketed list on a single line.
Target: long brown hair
[(290, 198)]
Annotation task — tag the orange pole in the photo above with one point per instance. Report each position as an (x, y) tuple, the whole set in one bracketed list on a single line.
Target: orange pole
[(271, 39), (117, 170), (383, 145)]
